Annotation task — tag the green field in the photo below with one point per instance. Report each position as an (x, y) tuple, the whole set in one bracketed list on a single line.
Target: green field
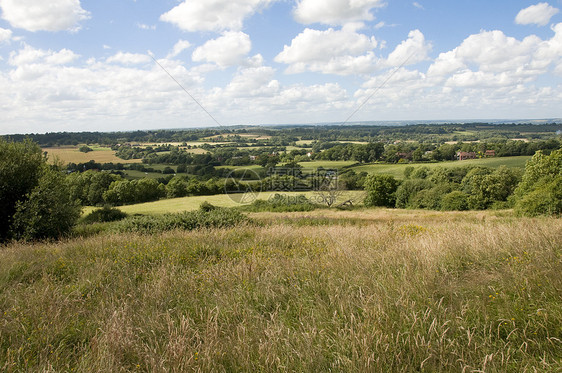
[(397, 170), (326, 164), (324, 291), (221, 200)]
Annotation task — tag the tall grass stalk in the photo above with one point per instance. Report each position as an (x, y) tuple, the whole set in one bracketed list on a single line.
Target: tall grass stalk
[(400, 296)]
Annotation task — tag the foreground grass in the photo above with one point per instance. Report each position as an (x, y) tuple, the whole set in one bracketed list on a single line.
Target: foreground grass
[(419, 292)]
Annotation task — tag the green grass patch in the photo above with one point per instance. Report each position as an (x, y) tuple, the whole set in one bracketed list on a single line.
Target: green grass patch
[(397, 170)]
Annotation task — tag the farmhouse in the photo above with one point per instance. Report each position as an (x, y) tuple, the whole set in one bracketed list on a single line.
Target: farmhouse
[(461, 156), (490, 153)]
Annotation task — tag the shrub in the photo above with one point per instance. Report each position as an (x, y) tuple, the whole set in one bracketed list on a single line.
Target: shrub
[(545, 199), (105, 214), (408, 189), (282, 203), (381, 190), (189, 220), (454, 201)]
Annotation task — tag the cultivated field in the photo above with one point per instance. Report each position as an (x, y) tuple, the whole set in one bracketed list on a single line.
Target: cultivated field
[(68, 154), (367, 290)]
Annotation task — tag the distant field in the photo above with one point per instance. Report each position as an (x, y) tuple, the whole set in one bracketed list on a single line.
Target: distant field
[(193, 203), (397, 170), (326, 164), (68, 154)]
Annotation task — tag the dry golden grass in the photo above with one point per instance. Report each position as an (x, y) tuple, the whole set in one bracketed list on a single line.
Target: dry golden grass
[(68, 154), (467, 292)]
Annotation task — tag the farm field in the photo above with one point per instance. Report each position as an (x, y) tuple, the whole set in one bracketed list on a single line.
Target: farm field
[(363, 290), (397, 170), (68, 154), (326, 164), (222, 200)]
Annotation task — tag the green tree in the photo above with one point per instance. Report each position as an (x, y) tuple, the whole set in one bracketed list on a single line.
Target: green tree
[(20, 167), (381, 190), (48, 210), (540, 191)]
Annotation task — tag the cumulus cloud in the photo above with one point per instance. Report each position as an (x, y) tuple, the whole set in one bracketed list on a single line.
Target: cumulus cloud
[(128, 58), (29, 55), (335, 12), (228, 50), (41, 15), (331, 51), (539, 14), (213, 15), (410, 51), (179, 47), (5, 35)]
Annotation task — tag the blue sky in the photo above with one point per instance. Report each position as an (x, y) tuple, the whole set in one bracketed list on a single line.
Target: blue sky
[(71, 65)]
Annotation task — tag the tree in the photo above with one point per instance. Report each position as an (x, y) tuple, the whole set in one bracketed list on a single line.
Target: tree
[(20, 167), (381, 190), (35, 199), (540, 191), (48, 211)]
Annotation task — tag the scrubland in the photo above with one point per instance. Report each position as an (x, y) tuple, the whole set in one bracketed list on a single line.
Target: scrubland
[(365, 290)]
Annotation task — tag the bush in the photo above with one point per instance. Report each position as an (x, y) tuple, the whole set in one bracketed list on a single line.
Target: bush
[(455, 201), (189, 220), (105, 214), (282, 203), (381, 190), (545, 199)]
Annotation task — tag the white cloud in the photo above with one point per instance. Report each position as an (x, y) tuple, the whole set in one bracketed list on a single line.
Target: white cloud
[(335, 12), (331, 51), (128, 58), (41, 15), (410, 51), (142, 26), (5, 35), (228, 50), (213, 15), (61, 57), (179, 47), (538, 14), (29, 55), (417, 5)]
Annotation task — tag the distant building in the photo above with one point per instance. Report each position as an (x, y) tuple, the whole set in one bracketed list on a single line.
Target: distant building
[(490, 153), (461, 156)]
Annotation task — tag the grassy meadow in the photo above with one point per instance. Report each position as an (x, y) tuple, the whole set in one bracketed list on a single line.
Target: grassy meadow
[(364, 290), (174, 205)]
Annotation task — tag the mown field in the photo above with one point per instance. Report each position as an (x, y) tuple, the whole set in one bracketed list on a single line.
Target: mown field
[(397, 170), (68, 154), (174, 205), (366, 290)]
